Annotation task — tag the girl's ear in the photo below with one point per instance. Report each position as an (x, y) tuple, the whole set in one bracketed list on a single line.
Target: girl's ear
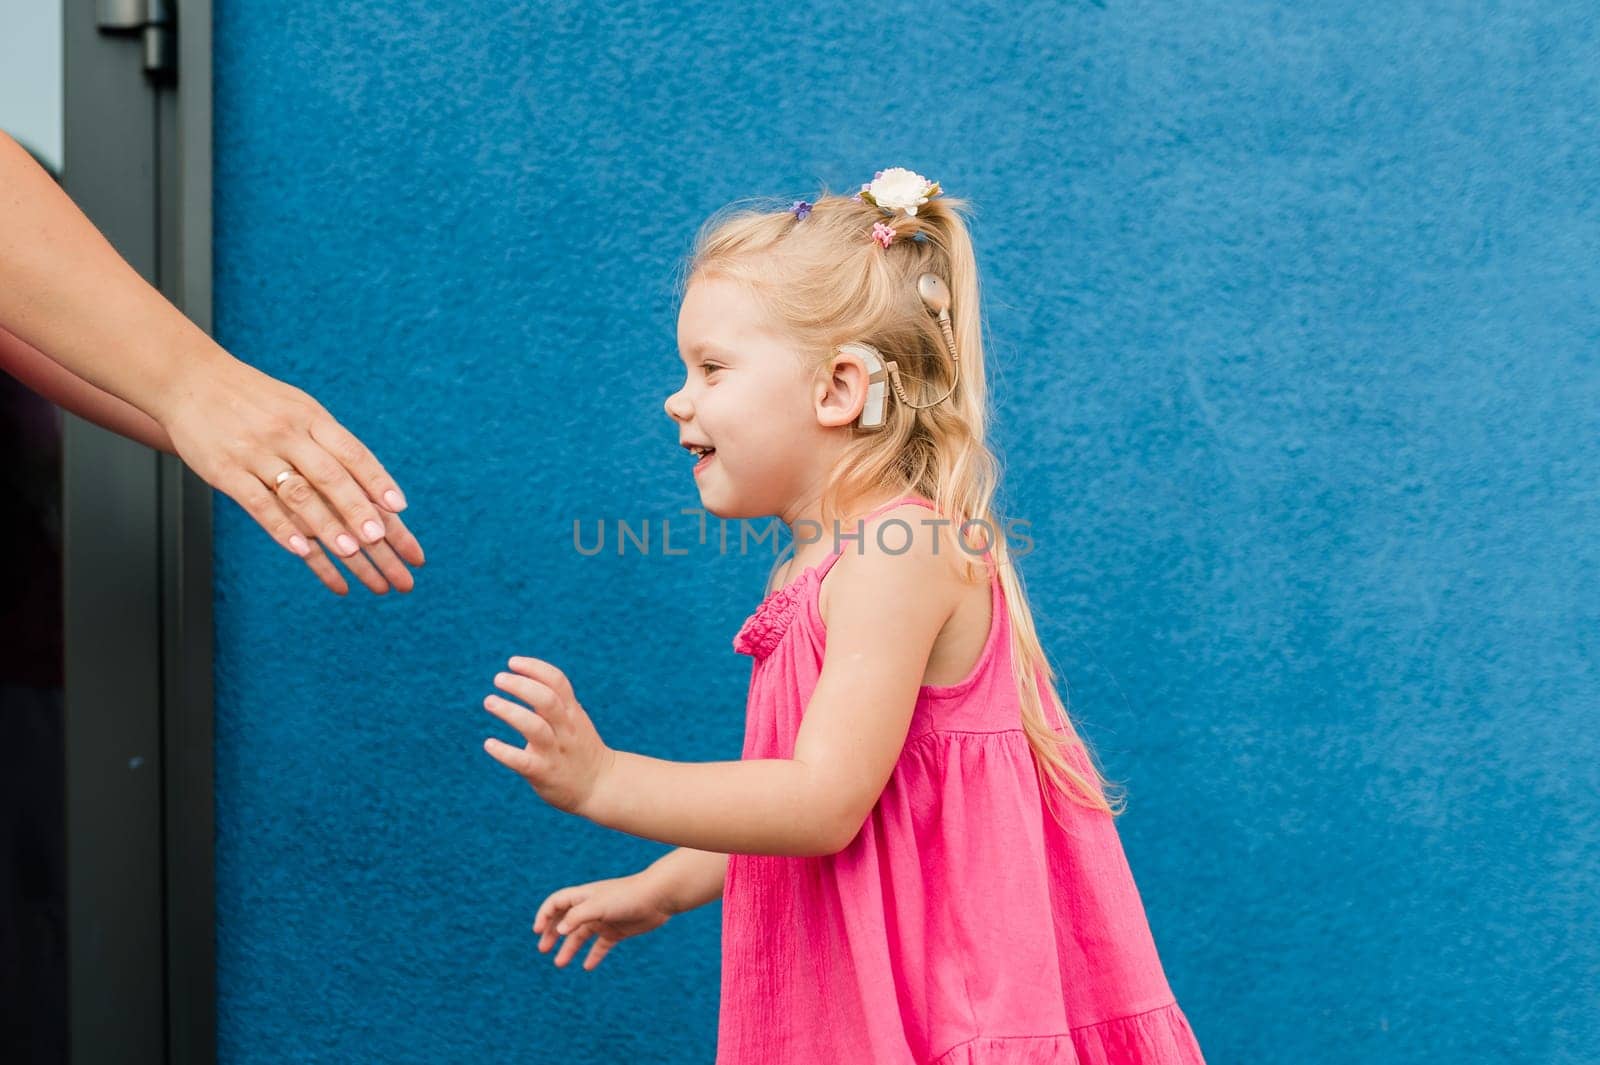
[(859, 381)]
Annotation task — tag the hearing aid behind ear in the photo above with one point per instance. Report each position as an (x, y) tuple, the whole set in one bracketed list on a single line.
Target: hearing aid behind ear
[(936, 297), (872, 411)]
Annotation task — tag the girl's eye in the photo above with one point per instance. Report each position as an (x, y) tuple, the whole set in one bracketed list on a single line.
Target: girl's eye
[(710, 367)]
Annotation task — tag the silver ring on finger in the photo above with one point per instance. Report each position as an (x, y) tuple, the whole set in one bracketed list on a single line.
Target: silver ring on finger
[(282, 477)]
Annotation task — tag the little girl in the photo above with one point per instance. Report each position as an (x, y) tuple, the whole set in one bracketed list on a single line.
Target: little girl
[(915, 853)]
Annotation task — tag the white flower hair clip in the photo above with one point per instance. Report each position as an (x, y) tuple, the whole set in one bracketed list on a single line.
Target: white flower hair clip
[(898, 189)]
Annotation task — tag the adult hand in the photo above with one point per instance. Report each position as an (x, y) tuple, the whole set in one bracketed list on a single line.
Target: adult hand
[(61, 386), (239, 429), (378, 566)]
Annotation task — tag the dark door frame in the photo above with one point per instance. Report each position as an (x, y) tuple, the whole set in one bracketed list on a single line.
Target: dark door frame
[(136, 562)]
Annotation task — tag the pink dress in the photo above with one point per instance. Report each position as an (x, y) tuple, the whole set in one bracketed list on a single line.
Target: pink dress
[(962, 925)]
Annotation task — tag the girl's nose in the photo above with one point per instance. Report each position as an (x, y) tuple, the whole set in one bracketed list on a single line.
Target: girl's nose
[(677, 407)]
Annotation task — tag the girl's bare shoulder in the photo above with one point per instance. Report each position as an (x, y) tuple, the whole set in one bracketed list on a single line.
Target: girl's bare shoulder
[(910, 536)]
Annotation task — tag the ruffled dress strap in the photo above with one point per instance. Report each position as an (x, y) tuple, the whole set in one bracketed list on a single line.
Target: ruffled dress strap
[(764, 629)]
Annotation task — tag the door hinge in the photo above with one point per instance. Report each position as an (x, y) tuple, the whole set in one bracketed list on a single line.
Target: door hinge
[(151, 20)]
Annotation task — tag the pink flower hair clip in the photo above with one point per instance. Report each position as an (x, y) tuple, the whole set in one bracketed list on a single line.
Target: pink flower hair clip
[(883, 233)]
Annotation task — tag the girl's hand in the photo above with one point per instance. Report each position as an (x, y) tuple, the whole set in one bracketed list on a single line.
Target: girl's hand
[(564, 759), (611, 909)]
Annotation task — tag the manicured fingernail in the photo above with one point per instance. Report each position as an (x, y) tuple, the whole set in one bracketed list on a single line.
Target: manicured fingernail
[(394, 499), (347, 543), (301, 548), (372, 530)]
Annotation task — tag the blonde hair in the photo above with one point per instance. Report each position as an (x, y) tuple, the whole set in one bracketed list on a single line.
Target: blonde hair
[(826, 281)]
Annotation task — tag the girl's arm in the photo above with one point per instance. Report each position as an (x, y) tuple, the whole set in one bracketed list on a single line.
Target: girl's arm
[(689, 878), (65, 389)]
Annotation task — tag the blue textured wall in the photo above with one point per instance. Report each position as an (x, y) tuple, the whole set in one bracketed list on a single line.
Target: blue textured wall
[(1295, 321)]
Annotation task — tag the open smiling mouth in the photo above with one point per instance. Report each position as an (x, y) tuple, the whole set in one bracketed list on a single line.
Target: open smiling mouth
[(704, 456)]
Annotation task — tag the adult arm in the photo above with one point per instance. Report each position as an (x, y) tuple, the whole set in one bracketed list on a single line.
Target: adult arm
[(66, 390), (66, 292)]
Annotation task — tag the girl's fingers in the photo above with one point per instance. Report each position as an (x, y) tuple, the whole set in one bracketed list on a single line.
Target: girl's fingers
[(330, 479), (575, 939), (362, 464), (579, 914), (525, 721), (548, 939), (529, 691), (516, 759), (602, 946), (299, 496), (545, 673), (557, 904)]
